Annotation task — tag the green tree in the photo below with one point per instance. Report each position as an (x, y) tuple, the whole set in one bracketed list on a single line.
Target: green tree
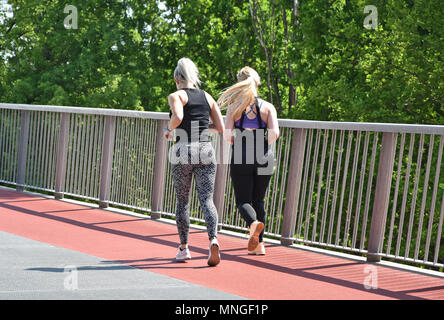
[(391, 74), (316, 59)]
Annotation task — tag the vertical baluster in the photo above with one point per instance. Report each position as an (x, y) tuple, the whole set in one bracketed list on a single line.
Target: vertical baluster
[(62, 155), (318, 196), (360, 190), (369, 191), (415, 192), (352, 189), (327, 188), (405, 195), (344, 183), (116, 173), (438, 235), (107, 159), (22, 150), (424, 196), (434, 196), (305, 181), (395, 196), (3, 141)]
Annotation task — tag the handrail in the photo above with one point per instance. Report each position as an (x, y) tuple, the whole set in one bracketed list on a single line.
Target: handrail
[(92, 111), (288, 123)]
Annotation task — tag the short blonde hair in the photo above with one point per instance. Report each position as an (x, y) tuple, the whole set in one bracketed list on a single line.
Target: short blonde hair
[(186, 70)]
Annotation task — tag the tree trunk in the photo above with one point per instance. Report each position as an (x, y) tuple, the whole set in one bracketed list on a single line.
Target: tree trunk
[(268, 50)]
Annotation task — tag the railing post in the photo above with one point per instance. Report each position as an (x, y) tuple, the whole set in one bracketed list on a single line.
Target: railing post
[(160, 161), (107, 160), (222, 152), (382, 196), (293, 186), (22, 150), (62, 152)]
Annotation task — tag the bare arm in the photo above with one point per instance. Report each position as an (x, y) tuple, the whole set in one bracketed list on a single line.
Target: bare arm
[(176, 105), (273, 125), (229, 125), (215, 115)]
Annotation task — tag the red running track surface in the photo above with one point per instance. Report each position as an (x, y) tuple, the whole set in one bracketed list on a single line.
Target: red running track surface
[(283, 273)]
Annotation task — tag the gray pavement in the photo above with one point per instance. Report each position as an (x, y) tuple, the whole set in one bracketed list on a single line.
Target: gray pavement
[(34, 270)]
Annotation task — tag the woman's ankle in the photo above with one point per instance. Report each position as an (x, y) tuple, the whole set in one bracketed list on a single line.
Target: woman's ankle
[(254, 222)]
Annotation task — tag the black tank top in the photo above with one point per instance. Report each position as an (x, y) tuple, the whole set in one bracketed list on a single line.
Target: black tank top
[(196, 116)]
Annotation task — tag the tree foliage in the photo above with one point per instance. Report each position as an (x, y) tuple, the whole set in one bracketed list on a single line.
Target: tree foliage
[(316, 59)]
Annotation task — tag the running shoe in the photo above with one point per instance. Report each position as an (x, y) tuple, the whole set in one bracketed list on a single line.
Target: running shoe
[(259, 251), (213, 255), (255, 230), (183, 254)]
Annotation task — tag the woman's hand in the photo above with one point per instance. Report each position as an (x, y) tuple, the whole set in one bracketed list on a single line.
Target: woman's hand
[(228, 136), (169, 135), (212, 128)]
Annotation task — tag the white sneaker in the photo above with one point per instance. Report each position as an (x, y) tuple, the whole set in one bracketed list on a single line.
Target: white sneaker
[(183, 255), (214, 255), (255, 230), (259, 251)]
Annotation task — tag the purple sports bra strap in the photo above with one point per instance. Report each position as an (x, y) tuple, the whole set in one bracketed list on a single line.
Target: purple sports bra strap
[(241, 122), (258, 115)]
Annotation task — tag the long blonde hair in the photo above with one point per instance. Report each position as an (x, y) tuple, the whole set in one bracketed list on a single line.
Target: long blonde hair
[(238, 96)]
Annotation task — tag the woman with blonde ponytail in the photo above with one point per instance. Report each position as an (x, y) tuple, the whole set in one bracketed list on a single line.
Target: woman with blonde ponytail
[(250, 126)]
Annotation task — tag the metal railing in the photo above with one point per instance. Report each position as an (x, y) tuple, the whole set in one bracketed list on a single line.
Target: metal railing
[(371, 188)]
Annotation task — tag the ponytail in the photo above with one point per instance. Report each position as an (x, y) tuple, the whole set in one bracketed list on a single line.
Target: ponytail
[(238, 96), (186, 70)]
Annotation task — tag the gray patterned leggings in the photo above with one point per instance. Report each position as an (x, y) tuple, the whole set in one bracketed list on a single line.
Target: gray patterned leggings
[(189, 162)]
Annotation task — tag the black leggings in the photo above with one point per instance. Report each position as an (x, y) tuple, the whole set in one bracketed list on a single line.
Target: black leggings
[(249, 191)]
